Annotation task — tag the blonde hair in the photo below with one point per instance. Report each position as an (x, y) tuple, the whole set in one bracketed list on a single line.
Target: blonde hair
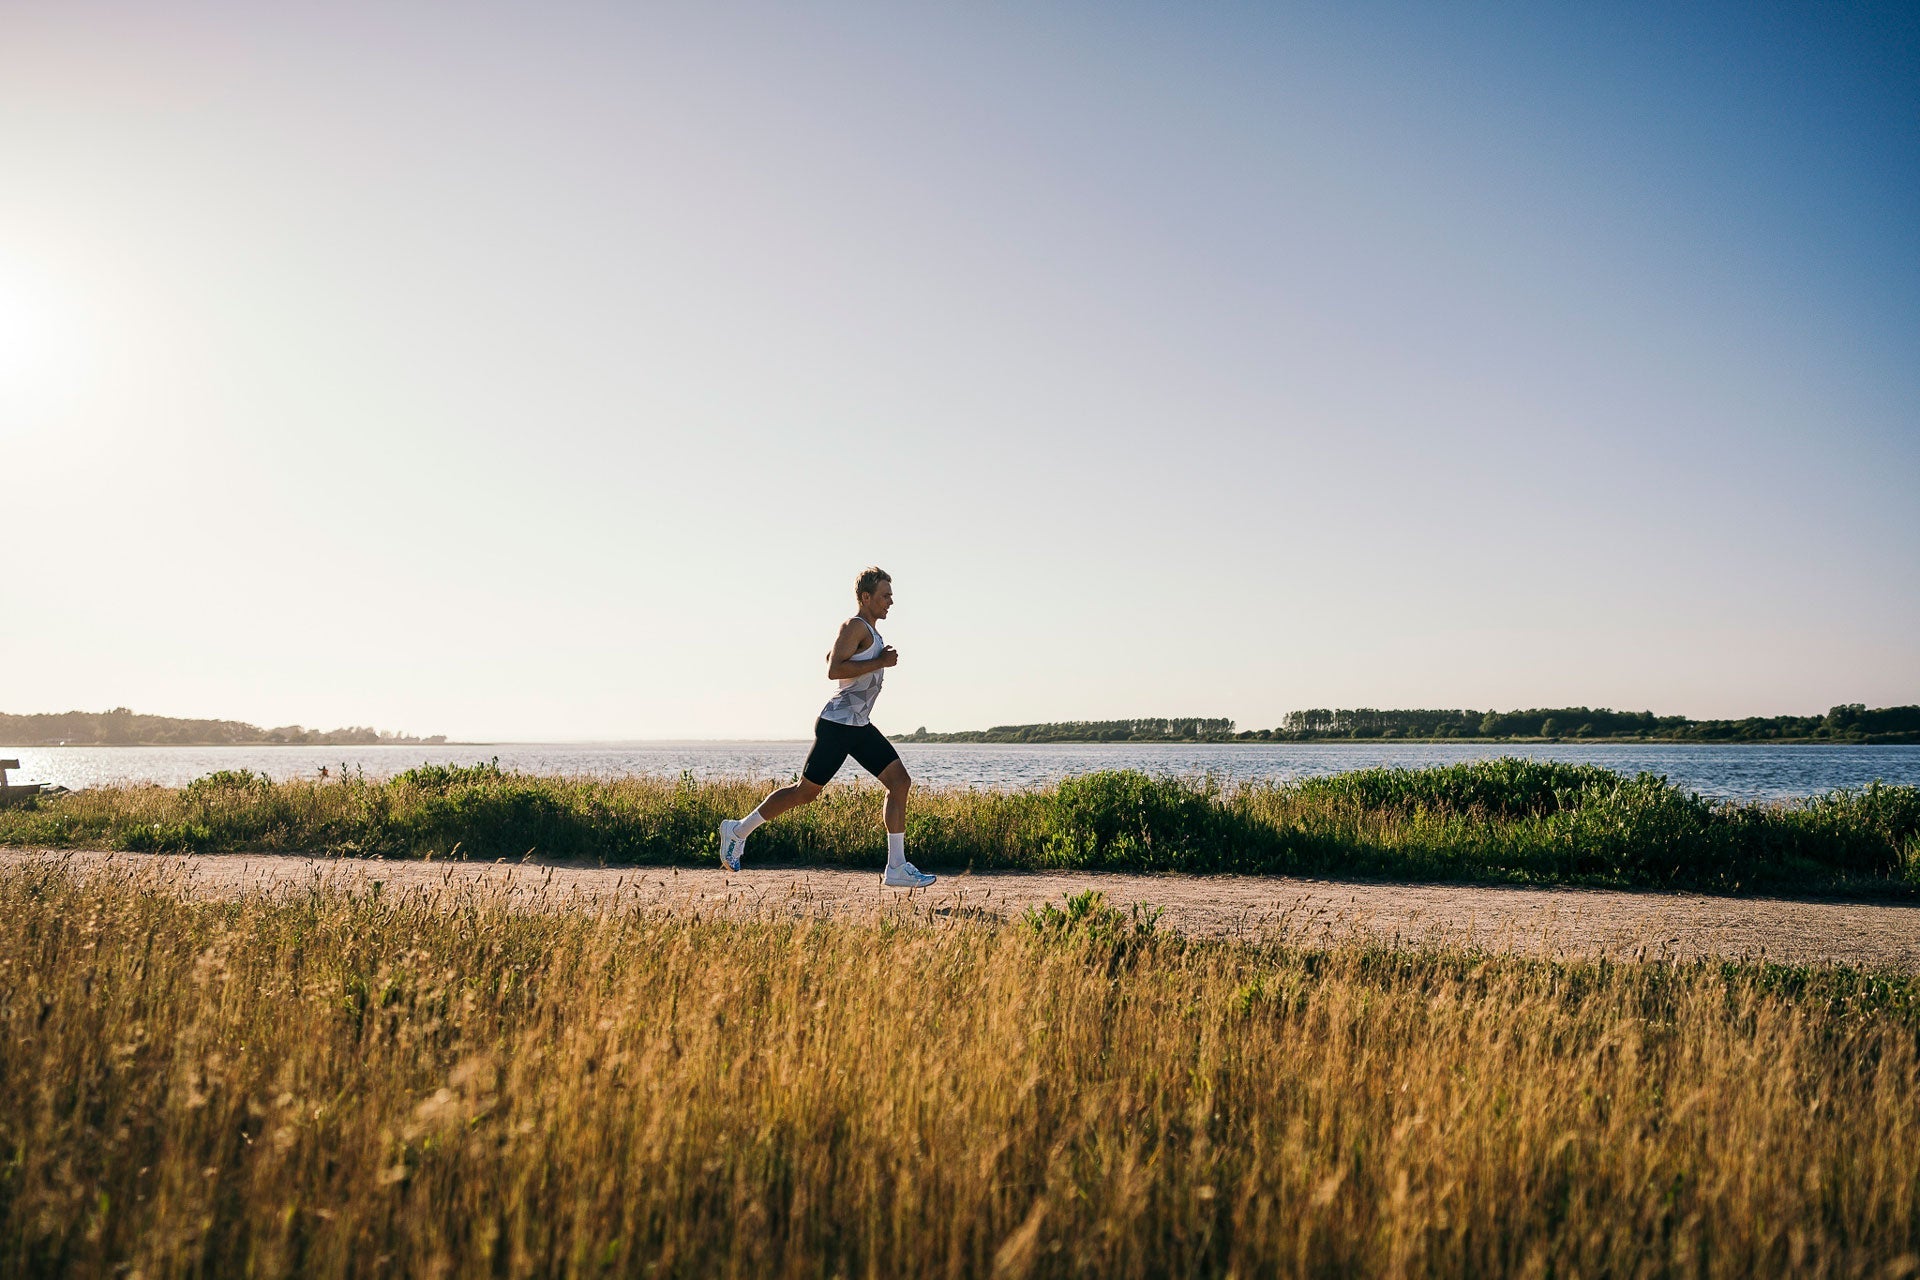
[(869, 580)]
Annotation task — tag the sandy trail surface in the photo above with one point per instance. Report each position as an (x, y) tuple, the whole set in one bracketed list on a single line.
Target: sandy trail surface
[(1569, 922)]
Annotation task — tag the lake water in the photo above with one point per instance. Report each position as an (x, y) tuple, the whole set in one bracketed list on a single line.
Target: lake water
[(1735, 772)]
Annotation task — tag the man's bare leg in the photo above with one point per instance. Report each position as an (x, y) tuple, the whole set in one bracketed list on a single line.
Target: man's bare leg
[(894, 778), (733, 835), (899, 872), (801, 792)]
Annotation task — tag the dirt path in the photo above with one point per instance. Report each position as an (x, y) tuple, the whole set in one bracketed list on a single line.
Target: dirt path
[(1584, 922)]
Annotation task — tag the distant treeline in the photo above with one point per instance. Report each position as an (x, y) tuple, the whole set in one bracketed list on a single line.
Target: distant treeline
[(1852, 722), (123, 728), (1189, 729)]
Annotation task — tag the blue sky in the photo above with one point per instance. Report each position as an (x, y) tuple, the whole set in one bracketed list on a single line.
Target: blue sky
[(549, 372)]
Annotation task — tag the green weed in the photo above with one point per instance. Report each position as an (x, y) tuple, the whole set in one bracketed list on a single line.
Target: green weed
[(1518, 821)]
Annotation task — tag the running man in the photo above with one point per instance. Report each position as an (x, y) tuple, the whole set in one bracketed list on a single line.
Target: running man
[(859, 661)]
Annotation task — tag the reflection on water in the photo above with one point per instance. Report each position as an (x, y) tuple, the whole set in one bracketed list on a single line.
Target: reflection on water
[(1746, 773)]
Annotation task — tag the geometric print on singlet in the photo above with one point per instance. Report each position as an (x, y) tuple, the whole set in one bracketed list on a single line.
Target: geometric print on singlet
[(854, 703)]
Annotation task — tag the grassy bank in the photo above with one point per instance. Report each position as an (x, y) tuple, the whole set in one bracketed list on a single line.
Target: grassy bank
[(1518, 821), (327, 1084)]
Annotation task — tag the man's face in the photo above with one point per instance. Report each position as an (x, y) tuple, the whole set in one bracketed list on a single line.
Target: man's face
[(880, 599)]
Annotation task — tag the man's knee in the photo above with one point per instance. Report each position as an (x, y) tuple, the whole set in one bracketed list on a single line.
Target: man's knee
[(806, 791), (900, 783)]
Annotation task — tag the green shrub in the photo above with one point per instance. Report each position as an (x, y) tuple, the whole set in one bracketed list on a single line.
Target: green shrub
[(1121, 818), (1519, 821), (443, 778), (1508, 787), (225, 782), (1089, 917), (168, 837), (1641, 830)]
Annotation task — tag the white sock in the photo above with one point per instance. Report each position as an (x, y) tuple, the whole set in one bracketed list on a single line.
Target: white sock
[(748, 823), (896, 848)]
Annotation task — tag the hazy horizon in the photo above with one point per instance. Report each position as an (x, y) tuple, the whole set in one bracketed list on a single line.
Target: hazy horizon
[(546, 374), (420, 737)]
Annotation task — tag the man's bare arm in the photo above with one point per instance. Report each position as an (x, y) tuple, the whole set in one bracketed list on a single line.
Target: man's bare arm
[(842, 665)]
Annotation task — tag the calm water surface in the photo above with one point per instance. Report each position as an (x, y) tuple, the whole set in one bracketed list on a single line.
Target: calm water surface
[(1745, 773)]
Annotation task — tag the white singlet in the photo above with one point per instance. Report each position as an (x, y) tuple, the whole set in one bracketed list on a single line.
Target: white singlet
[(854, 703)]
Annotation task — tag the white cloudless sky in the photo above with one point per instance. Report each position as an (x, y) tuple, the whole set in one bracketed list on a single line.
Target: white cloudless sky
[(517, 371)]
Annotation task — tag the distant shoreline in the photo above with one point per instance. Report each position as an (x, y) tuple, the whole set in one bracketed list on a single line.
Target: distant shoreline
[(1895, 741), (938, 741), (122, 727), (243, 746), (1848, 722)]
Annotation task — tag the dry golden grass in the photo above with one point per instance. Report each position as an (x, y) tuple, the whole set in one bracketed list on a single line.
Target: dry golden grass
[(335, 1085)]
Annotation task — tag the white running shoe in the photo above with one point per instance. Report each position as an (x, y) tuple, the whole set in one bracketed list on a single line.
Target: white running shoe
[(906, 876), (732, 844)]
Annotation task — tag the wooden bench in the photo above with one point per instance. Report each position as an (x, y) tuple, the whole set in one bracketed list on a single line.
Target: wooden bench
[(14, 794)]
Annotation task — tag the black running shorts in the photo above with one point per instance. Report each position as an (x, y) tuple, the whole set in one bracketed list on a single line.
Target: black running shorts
[(833, 743)]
